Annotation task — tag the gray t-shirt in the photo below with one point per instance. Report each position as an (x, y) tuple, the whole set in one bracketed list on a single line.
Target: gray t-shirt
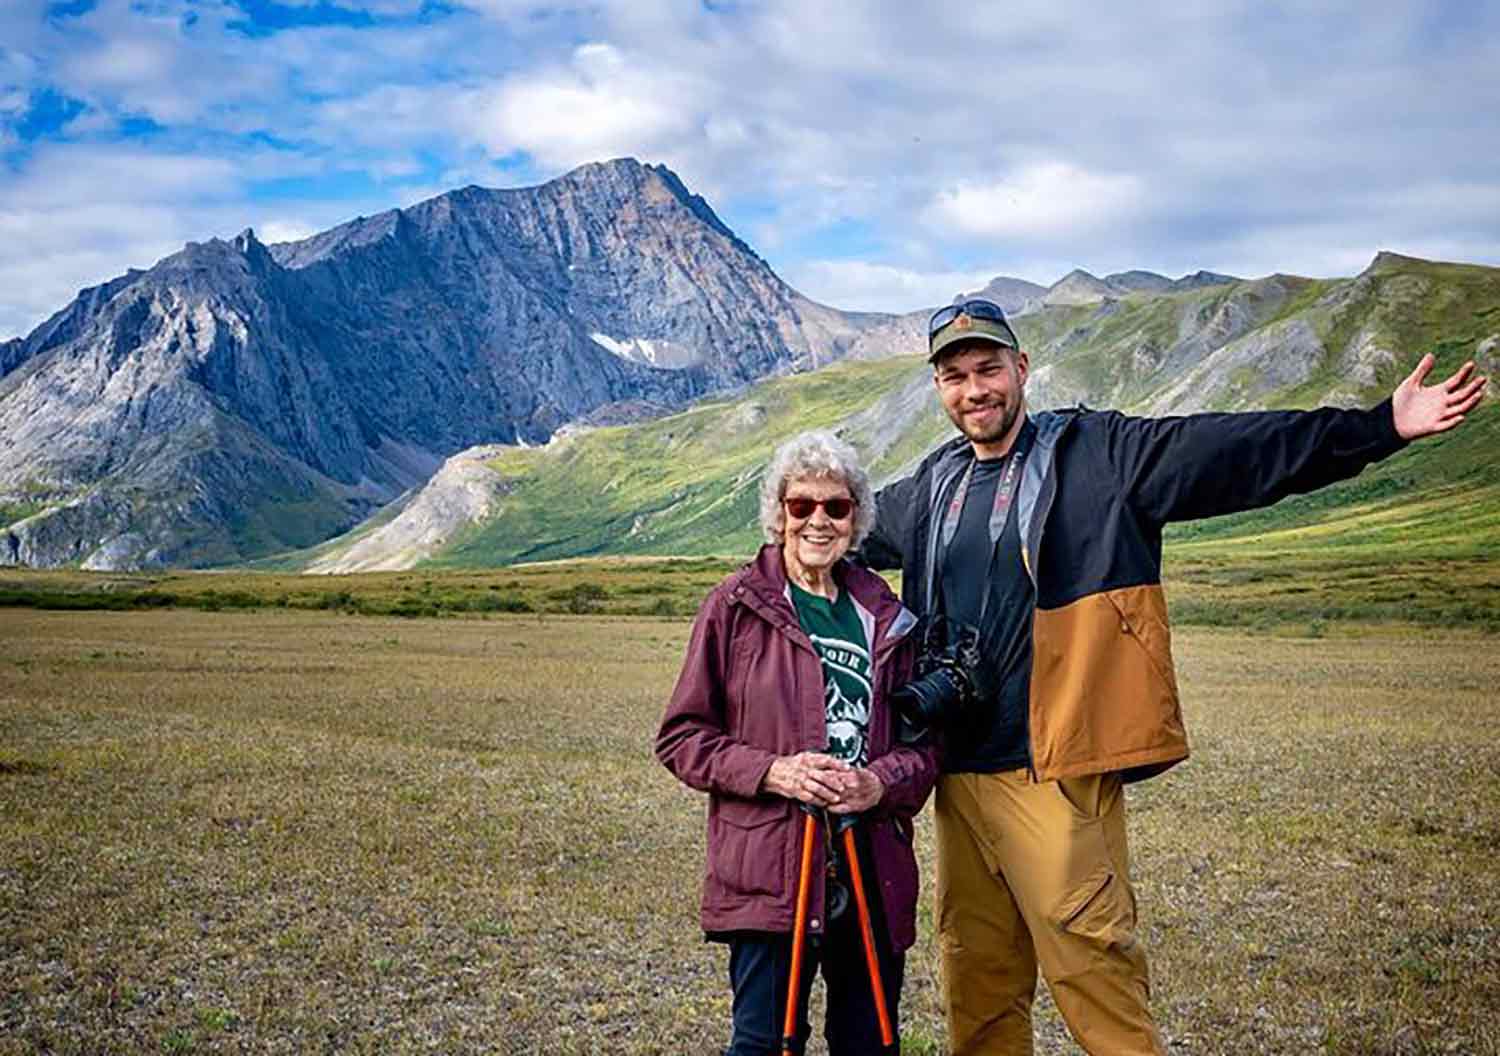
[(993, 736)]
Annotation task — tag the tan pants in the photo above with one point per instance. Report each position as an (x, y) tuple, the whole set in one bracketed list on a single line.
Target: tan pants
[(1038, 874)]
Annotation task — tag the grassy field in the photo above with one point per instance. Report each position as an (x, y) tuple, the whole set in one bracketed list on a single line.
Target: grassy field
[(294, 831), (662, 587), (1286, 580)]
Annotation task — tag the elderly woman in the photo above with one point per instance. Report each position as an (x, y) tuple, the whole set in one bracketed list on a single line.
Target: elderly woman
[(781, 705)]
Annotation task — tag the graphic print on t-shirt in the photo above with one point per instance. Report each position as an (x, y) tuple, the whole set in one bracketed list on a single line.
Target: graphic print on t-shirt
[(846, 689), (838, 637)]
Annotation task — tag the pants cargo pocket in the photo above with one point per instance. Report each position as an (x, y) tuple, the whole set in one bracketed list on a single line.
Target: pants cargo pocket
[(1096, 920), (1097, 969)]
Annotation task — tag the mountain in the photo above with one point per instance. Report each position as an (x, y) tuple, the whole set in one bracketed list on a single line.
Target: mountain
[(1137, 281), (1076, 287), (10, 354), (1201, 278), (1020, 297), (686, 484), (1013, 295), (422, 379), (238, 399), (1080, 287)]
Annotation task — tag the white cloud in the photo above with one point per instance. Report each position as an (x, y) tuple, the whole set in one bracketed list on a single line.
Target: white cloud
[(80, 177), (272, 231), (859, 286), (1040, 200), (128, 59), (601, 105), (508, 9), (394, 116), (397, 168), (954, 147), (77, 216)]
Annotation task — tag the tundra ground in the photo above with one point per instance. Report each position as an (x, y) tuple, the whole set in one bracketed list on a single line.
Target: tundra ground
[(281, 831)]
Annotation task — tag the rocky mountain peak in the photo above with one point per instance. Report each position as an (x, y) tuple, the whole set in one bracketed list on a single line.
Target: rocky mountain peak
[(247, 243), (351, 235), (238, 398), (697, 205), (1136, 280), (241, 254), (1077, 287), (1386, 260), (1203, 278), (1077, 275), (1011, 294)]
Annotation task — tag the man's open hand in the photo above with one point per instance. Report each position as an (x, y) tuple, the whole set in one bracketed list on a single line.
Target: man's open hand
[(1424, 410)]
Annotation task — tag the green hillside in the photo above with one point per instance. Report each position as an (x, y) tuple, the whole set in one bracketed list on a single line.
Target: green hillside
[(679, 485), (1437, 499), (687, 484), (1413, 538)]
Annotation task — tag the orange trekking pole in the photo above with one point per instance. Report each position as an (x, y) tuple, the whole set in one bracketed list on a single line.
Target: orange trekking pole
[(799, 930), (799, 933), (872, 961)]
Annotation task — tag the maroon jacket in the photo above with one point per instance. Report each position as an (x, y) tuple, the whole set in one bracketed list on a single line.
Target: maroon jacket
[(751, 689)]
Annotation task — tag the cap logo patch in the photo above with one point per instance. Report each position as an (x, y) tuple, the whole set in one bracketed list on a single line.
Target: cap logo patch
[(963, 322)]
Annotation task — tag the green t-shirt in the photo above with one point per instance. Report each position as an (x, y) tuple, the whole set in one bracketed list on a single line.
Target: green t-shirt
[(839, 638)]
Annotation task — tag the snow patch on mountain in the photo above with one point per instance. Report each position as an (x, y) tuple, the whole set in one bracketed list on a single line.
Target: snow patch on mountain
[(653, 353)]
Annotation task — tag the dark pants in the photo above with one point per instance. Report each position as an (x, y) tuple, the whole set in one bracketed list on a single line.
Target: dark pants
[(760, 966)]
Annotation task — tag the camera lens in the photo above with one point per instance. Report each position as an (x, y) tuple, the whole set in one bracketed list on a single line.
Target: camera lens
[(926, 701)]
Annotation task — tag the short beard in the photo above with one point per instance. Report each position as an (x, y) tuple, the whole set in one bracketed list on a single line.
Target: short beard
[(1012, 411)]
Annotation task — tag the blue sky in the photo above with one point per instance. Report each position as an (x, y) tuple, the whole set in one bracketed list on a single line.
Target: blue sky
[(878, 155)]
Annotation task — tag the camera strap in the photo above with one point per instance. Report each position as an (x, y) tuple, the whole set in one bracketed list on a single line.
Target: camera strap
[(1005, 493)]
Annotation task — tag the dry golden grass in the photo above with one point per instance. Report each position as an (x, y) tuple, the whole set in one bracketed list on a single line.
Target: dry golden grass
[(282, 831)]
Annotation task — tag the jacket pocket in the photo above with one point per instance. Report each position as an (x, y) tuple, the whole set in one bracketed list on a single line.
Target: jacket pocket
[(1142, 612), (1102, 692), (748, 847), (1091, 797)]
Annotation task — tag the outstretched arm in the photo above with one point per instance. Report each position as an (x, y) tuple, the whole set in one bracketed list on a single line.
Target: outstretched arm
[(1421, 410), (1174, 469)]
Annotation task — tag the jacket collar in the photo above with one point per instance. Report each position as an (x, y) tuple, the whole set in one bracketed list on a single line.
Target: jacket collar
[(762, 586), (1033, 494)]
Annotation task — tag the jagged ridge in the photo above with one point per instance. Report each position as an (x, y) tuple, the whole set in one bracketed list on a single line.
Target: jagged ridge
[(687, 484), (237, 399)]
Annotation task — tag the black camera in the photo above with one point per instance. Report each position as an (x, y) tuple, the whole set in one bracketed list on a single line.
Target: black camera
[(950, 676)]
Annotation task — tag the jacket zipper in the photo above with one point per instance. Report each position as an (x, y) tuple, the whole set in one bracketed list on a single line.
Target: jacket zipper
[(1035, 590)]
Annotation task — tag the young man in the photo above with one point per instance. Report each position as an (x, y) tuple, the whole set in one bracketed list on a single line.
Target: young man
[(1041, 535)]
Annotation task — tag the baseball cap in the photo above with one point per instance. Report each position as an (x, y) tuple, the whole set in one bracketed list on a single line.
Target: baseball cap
[(971, 320)]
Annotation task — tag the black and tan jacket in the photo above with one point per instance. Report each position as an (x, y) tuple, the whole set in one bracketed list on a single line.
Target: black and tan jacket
[(1096, 490)]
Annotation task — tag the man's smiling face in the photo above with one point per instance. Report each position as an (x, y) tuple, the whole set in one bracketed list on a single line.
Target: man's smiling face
[(983, 388)]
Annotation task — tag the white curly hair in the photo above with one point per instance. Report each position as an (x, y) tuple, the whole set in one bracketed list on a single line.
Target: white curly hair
[(815, 453)]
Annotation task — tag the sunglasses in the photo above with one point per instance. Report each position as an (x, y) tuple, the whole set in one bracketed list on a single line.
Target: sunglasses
[(974, 309), (838, 509)]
